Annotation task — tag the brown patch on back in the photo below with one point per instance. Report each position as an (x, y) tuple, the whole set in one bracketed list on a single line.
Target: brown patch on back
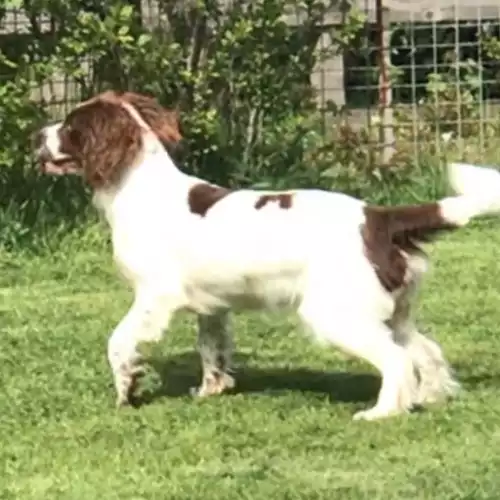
[(283, 199), (202, 197), (391, 232)]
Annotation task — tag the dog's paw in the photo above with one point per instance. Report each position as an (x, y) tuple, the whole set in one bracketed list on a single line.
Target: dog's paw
[(213, 384)]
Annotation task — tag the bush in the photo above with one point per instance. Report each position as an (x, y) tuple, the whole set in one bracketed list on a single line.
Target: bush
[(239, 76)]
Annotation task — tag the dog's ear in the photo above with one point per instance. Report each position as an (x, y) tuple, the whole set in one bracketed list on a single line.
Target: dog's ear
[(103, 138), (163, 122)]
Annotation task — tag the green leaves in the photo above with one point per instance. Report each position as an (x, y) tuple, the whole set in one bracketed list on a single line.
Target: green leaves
[(237, 71), (12, 4)]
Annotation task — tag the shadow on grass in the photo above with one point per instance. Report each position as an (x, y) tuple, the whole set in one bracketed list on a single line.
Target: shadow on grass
[(474, 377), (178, 374)]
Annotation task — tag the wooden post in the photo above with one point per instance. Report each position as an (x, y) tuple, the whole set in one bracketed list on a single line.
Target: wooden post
[(386, 127)]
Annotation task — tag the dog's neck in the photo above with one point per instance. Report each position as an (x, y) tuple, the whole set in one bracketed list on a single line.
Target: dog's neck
[(152, 181)]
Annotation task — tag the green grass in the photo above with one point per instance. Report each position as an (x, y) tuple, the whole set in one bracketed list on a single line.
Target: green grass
[(286, 434)]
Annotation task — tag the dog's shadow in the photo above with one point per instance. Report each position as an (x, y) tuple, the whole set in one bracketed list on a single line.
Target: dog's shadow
[(473, 377), (181, 372)]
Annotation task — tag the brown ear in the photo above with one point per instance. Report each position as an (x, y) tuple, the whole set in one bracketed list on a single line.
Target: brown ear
[(105, 140), (163, 122)]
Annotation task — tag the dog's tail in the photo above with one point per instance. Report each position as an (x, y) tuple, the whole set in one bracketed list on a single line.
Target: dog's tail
[(477, 192), (391, 232)]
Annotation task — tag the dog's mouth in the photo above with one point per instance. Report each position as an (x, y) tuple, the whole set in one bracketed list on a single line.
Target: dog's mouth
[(60, 166)]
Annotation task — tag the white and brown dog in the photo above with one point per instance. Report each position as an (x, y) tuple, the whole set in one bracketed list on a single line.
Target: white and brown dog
[(349, 269)]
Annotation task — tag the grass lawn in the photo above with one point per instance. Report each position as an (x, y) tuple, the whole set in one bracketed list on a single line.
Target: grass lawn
[(286, 434)]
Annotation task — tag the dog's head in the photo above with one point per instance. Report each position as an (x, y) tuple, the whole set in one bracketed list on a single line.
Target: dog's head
[(104, 136)]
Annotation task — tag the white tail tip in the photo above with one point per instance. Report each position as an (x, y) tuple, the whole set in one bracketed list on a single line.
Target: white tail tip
[(465, 178), (481, 185)]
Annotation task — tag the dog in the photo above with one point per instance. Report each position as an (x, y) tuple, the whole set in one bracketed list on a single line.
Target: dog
[(350, 270)]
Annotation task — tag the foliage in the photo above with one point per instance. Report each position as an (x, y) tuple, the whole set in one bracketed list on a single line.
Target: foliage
[(239, 74), (451, 103), (447, 121), (492, 46)]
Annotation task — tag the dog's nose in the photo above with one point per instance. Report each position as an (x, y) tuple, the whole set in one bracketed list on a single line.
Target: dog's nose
[(38, 139)]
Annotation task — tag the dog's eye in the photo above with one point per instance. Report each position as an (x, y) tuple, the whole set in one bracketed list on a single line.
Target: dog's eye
[(70, 139), (73, 135)]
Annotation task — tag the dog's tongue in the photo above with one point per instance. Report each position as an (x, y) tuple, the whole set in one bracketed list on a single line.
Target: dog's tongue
[(51, 168)]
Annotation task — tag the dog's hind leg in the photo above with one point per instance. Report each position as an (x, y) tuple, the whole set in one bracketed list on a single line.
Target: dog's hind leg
[(371, 341), (436, 381), (215, 346)]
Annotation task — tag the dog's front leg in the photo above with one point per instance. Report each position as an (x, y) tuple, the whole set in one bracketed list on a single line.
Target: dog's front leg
[(146, 320), (215, 346)]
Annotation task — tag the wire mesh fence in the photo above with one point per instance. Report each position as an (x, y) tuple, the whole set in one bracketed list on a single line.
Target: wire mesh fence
[(418, 71), (442, 73)]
